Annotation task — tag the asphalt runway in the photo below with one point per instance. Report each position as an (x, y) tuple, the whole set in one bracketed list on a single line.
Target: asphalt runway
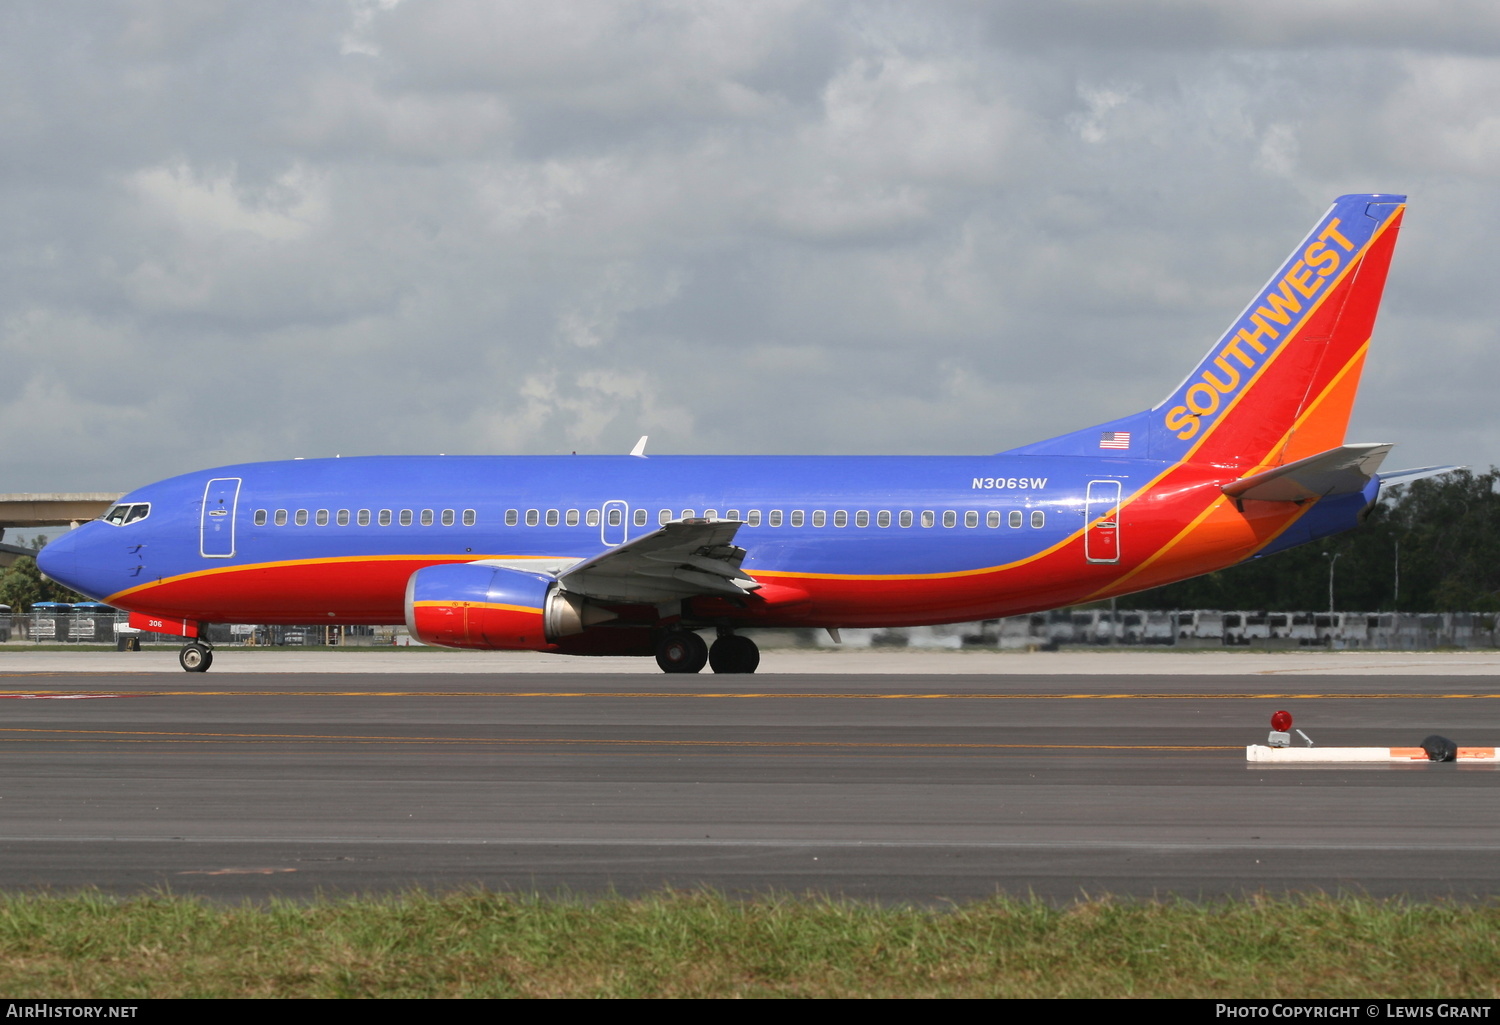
[(895, 787)]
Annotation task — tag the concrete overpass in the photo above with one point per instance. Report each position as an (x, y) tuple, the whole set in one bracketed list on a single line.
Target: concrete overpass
[(48, 509)]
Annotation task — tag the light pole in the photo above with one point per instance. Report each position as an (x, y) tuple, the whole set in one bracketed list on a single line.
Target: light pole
[(1396, 585), (1331, 560)]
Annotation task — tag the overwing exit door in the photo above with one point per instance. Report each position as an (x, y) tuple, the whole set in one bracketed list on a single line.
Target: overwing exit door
[(613, 527)]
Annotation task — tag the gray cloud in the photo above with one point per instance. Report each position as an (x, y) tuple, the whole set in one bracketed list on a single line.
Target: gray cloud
[(244, 232)]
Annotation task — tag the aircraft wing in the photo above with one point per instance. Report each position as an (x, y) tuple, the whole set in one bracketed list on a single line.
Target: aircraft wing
[(1339, 471), (682, 559)]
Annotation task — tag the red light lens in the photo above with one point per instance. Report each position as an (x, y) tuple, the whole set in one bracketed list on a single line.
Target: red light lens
[(1281, 721)]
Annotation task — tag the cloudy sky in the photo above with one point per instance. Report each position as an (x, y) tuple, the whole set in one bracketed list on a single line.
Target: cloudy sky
[(235, 230)]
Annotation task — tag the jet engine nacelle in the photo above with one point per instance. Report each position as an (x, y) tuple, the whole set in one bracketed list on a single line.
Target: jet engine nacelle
[(490, 607)]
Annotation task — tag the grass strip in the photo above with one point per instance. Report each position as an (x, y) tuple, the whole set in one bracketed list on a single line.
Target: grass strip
[(673, 944)]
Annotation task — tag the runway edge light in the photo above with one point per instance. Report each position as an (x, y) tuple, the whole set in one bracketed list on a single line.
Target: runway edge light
[(1281, 721)]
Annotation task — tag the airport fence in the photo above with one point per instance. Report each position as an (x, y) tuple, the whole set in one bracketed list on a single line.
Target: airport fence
[(114, 629), (1191, 628), (1043, 631)]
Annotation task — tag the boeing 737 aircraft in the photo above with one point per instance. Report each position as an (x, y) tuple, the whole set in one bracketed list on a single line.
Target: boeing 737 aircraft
[(629, 555)]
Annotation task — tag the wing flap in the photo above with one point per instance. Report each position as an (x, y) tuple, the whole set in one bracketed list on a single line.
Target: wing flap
[(682, 559)]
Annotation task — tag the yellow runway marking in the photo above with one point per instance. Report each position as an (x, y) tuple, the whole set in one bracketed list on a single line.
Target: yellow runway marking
[(147, 736), (743, 695)]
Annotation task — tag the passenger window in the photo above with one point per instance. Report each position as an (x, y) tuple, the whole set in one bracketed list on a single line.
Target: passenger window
[(906, 517), (841, 518), (406, 517), (862, 519), (470, 517), (663, 516), (710, 514), (1014, 518), (512, 517), (992, 518), (364, 517), (950, 518), (929, 518), (1038, 518), (260, 517), (385, 517), (427, 517), (343, 517), (322, 517), (774, 518), (552, 517), (732, 514), (640, 518), (449, 517), (883, 518), (281, 517), (752, 518), (592, 517), (572, 518), (301, 517), (614, 517), (971, 518), (820, 518), (533, 517), (796, 517)]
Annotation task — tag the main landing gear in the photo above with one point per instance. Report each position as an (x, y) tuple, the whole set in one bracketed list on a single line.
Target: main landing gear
[(196, 657), (682, 651), (734, 654)]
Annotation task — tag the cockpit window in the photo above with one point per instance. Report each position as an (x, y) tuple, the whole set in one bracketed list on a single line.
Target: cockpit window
[(119, 515)]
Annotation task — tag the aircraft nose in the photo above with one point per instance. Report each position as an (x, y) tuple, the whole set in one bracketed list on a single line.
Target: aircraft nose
[(59, 560)]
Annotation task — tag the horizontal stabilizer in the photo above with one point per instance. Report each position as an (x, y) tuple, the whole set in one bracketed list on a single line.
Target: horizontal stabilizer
[(1339, 471), (683, 559), (1390, 480)]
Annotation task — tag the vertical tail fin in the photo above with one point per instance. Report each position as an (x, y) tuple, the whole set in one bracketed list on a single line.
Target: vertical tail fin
[(1280, 384)]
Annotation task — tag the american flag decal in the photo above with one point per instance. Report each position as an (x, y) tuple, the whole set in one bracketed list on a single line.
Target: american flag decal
[(1114, 439)]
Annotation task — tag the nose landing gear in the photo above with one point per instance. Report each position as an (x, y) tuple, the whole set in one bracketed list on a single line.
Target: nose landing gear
[(195, 657)]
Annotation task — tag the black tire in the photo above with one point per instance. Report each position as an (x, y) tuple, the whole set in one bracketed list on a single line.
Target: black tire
[(734, 654), (681, 652), (195, 658)]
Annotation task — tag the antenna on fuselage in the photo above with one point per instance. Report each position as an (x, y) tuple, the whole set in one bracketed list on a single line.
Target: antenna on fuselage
[(640, 447)]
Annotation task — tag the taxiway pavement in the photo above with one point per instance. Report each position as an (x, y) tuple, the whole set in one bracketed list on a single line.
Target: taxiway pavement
[(896, 786)]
